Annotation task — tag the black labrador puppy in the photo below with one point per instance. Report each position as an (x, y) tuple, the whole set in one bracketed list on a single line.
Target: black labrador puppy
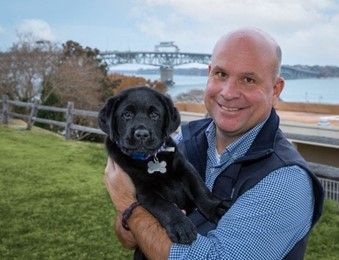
[(138, 122)]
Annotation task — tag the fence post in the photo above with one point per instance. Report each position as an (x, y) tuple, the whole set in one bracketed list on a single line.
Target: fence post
[(34, 111), (4, 109), (69, 120)]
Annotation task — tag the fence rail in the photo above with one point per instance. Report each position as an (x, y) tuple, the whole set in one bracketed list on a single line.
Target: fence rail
[(69, 113), (328, 176)]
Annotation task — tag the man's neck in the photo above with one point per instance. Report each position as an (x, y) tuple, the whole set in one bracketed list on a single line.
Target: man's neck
[(223, 140)]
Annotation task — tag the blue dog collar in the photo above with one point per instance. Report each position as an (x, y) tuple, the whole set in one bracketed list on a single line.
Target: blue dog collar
[(139, 156)]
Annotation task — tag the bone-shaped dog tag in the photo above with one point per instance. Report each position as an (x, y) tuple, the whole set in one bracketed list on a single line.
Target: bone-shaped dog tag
[(156, 166)]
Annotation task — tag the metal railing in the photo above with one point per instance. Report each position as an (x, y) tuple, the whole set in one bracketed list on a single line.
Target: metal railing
[(331, 188)]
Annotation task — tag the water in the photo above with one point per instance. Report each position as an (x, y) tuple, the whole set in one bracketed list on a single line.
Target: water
[(324, 90)]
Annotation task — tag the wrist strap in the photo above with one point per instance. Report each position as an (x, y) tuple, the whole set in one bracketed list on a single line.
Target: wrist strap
[(127, 213)]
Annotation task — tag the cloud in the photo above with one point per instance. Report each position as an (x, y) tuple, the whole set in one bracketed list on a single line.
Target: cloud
[(305, 29), (2, 30), (35, 28)]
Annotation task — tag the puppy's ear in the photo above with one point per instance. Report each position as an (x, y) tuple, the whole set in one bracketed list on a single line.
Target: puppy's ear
[(106, 115), (172, 117)]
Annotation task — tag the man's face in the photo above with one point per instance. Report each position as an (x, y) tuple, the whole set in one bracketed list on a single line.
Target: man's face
[(241, 88)]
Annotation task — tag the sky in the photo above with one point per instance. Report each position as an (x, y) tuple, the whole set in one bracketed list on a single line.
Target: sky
[(306, 30)]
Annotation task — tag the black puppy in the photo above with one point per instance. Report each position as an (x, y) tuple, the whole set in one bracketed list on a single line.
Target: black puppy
[(138, 122)]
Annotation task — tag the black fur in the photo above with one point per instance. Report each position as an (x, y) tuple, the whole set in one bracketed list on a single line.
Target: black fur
[(140, 120)]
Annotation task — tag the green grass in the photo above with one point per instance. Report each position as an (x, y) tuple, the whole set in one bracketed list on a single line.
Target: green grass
[(324, 240), (54, 205), (53, 202)]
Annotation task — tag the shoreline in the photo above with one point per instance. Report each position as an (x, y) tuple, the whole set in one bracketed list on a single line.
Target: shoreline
[(324, 91), (306, 113)]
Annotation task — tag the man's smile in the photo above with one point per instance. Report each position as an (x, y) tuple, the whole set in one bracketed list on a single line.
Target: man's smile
[(229, 109)]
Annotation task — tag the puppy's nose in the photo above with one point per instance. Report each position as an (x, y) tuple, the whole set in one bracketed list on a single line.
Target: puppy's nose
[(141, 134)]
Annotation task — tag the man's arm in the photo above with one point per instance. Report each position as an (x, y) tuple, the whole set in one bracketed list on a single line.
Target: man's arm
[(264, 223), (149, 235)]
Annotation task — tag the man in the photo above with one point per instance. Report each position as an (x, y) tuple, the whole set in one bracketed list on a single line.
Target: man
[(243, 157)]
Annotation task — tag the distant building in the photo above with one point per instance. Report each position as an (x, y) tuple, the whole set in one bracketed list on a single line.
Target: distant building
[(166, 46)]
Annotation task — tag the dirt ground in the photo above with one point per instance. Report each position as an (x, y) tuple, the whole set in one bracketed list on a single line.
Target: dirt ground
[(309, 118)]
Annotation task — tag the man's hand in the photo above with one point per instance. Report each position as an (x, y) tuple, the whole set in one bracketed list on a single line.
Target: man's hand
[(122, 193), (119, 185)]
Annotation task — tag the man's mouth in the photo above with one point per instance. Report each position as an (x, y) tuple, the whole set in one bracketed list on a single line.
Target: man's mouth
[(229, 109)]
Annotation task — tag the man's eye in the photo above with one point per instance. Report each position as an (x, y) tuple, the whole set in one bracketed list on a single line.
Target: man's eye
[(249, 80), (154, 115), (127, 115), (220, 75)]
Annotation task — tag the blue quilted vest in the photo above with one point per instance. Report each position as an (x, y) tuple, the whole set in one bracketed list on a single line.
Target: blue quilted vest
[(269, 151)]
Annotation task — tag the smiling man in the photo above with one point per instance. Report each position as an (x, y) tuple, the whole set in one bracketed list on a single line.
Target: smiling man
[(243, 83), (243, 157)]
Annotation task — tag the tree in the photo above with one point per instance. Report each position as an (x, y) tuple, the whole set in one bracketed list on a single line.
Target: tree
[(80, 76), (120, 82), (25, 66)]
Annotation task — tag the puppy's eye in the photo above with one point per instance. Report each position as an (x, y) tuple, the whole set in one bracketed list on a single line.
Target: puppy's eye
[(154, 115), (127, 115)]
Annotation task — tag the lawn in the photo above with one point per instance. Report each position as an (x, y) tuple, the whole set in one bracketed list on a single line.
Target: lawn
[(53, 202)]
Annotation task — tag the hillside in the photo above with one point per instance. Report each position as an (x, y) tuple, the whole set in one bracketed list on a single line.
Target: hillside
[(53, 202), (54, 205)]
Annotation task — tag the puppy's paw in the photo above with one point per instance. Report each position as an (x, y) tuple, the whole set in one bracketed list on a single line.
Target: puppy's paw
[(218, 210), (181, 230), (222, 207)]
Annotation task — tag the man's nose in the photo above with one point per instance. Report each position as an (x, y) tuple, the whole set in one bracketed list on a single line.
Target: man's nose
[(230, 89)]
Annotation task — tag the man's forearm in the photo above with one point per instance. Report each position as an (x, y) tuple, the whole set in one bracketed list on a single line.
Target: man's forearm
[(150, 236)]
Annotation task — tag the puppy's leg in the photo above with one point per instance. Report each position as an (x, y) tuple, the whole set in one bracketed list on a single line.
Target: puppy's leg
[(180, 228), (210, 206)]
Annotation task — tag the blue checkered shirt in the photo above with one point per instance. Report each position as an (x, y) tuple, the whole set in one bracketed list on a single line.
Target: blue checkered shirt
[(265, 222)]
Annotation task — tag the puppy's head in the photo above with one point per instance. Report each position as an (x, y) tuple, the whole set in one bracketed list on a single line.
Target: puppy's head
[(139, 120)]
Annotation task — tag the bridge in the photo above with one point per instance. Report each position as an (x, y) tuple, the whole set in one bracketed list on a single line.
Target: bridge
[(167, 60), (289, 72)]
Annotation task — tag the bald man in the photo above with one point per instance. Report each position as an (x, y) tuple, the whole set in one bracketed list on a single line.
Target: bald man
[(243, 157)]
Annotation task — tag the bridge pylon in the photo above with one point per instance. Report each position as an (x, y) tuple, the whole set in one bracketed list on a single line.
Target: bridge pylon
[(166, 75)]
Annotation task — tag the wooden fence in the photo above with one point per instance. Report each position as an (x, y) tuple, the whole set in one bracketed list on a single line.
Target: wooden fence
[(70, 112)]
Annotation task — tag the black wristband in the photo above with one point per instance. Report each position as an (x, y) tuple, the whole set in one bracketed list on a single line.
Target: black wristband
[(127, 213)]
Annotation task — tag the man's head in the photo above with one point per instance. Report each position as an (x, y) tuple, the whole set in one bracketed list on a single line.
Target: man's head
[(244, 81)]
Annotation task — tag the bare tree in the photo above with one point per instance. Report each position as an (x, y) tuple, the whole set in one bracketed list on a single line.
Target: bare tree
[(25, 66), (80, 76)]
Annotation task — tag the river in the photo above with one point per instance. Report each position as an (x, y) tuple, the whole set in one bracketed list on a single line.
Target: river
[(323, 90)]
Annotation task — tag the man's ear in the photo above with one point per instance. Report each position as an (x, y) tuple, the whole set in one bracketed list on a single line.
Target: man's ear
[(172, 119), (277, 89), (106, 116)]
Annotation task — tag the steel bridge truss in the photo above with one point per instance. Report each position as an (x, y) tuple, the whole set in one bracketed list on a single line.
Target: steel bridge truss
[(160, 59)]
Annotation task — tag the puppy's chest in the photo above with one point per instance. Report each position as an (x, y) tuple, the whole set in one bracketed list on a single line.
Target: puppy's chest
[(157, 173), (167, 186), (157, 169), (158, 166)]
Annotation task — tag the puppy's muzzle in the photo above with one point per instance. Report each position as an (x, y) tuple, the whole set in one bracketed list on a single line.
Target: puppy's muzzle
[(142, 135)]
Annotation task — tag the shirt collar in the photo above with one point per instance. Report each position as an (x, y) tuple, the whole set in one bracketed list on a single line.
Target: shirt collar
[(236, 149)]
